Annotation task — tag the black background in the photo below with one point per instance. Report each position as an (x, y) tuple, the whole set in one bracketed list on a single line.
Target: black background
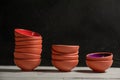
[(92, 24)]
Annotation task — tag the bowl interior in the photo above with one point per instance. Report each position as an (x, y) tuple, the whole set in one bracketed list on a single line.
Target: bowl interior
[(26, 32), (97, 55)]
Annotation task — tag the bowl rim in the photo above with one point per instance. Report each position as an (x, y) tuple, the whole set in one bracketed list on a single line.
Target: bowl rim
[(34, 34)]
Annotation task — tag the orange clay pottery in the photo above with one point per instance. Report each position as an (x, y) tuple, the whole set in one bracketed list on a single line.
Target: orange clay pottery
[(26, 38), (100, 56), (27, 65), (27, 34), (99, 61), (65, 57), (29, 42), (59, 53), (65, 48), (99, 66), (26, 56), (28, 46), (65, 65), (28, 49)]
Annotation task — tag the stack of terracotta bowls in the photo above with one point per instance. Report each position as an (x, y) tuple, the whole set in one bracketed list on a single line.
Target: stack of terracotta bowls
[(99, 61), (65, 57), (28, 48)]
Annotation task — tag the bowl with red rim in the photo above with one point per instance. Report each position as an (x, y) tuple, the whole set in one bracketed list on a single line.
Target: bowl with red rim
[(27, 33)]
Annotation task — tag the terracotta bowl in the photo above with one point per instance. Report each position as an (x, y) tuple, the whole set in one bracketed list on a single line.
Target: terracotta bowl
[(64, 57), (61, 53), (26, 38), (28, 46), (65, 65), (29, 50), (27, 33), (99, 56), (33, 42), (26, 56), (27, 65), (99, 66), (65, 48)]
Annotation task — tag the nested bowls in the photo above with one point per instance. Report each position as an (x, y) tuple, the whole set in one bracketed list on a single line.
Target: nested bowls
[(28, 49), (99, 61), (65, 57)]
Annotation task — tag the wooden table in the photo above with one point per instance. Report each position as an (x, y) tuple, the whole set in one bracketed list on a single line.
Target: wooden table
[(51, 73)]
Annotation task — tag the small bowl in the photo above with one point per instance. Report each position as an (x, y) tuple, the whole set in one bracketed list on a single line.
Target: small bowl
[(26, 56), (27, 65), (60, 53), (99, 56), (33, 42), (65, 65), (26, 38), (26, 33), (64, 57), (65, 48), (28, 46), (99, 66), (29, 50)]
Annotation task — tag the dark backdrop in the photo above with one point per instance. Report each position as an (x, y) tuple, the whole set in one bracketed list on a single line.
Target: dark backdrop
[(92, 24)]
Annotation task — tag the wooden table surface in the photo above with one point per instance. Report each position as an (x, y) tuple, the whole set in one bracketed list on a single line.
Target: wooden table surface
[(51, 73)]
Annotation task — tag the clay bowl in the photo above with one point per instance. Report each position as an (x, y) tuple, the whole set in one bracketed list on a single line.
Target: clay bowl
[(99, 66), (27, 65), (61, 53), (64, 57), (26, 56), (33, 42), (65, 65), (28, 46), (26, 39), (65, 48), (99, 56), (27, 33), (29, 50)]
